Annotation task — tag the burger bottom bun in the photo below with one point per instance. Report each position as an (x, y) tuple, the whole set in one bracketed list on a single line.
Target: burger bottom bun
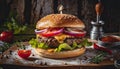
[(63, 54)]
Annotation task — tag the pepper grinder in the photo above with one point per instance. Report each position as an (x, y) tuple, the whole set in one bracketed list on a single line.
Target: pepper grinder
[(97, 30)]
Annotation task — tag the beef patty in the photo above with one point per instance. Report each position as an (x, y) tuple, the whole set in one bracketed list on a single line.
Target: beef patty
[(53, 43)]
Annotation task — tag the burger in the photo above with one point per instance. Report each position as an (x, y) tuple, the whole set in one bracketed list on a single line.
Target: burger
[(59, 36)]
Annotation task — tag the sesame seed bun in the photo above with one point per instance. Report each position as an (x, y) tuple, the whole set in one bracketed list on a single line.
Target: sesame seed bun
[(59, 20)]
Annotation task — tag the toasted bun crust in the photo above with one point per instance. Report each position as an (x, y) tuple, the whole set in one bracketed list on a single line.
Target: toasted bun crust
[(59, 20), (64, 54)]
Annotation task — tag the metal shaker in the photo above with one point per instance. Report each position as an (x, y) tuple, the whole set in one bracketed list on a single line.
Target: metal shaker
[(97, 27), (97, 30)]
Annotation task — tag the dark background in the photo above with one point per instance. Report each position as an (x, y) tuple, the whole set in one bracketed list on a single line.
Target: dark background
[(30, 11)]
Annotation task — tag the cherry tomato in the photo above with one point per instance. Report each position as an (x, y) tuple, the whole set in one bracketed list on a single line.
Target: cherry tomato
[(6, 36), (52, 32), (24, 53)]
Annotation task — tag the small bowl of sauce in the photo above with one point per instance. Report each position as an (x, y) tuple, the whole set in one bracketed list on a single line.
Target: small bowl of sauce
[(109, 41)]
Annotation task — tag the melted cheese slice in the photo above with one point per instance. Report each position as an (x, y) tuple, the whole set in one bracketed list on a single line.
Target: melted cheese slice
[(61, 37)]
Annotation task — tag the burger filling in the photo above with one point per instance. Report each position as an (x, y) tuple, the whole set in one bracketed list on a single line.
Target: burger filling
[(59, 39)]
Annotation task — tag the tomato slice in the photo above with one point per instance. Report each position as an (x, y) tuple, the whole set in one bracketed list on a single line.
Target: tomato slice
[(24, 53), (52, 32)]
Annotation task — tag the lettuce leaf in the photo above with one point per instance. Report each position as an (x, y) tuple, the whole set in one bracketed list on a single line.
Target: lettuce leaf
[(63, 46), (35, 44), (42, 45), (75, 45), (85, 42)]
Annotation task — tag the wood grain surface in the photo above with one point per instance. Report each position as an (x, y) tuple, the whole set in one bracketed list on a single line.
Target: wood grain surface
[(106, 64)]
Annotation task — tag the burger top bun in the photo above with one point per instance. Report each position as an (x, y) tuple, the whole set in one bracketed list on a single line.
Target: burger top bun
[(59, 20)]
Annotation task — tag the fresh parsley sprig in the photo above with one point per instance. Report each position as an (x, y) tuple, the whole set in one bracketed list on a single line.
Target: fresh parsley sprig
[(99, 57)]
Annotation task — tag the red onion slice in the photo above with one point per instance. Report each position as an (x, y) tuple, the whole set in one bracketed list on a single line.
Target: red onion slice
[(40, 31), (59, 31), (74, 30), (71, 32)]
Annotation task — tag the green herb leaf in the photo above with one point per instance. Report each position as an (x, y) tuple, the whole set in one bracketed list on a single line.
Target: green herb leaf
[(13, 25), (99, 57)]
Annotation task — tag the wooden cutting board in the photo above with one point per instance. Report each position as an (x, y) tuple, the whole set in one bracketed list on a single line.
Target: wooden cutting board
[(106, 64)]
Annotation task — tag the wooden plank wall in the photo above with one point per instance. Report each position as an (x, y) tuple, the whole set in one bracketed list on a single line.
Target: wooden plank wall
[(30, 11)]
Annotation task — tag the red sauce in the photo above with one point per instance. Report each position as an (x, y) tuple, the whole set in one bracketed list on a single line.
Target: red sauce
[(110, 39)]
